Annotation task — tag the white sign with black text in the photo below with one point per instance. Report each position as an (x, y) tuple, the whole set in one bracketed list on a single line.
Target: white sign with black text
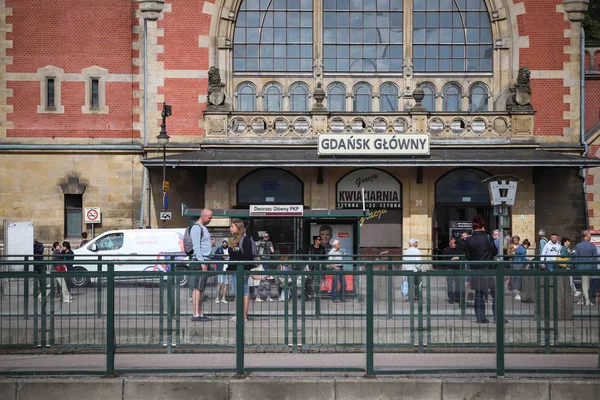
[(362, 144), (272, 210), (92, 215)]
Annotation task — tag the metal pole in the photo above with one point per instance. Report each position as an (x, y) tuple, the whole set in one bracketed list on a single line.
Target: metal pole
[(163, 181)]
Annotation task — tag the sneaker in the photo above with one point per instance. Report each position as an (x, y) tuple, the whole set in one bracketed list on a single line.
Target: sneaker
[(258, 300), (204, 318), (217, 300), (577, 293), (517, 297), (270, 299), (196, 319), (224, 301), (68, 301), (580, 303)]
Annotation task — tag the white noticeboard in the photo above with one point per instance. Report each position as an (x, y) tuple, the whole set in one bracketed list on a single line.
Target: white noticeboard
[(92, 215), (18, 241)]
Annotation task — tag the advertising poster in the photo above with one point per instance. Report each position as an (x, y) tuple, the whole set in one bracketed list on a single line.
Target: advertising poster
[(343, 233)]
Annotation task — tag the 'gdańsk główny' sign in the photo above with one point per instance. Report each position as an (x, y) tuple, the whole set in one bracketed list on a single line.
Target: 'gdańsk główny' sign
[(363, 144)]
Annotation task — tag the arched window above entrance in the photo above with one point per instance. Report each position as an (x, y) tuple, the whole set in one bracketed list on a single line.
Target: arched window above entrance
[(462, 186), (270, 186)]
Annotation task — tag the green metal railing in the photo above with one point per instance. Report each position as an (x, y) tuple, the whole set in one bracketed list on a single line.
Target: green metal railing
[(151, 312)]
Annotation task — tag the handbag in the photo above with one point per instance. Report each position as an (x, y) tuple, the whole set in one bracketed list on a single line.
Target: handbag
[(562, 265), (61, 268)]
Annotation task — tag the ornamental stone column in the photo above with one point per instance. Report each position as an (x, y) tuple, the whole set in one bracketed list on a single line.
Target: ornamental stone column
[(576, 9)]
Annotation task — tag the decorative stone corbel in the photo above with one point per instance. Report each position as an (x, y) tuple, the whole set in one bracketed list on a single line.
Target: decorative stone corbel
[(151, 9), (576, 9)]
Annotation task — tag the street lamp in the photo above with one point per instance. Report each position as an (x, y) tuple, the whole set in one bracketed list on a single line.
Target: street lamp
[(503, 190), (163, 140)]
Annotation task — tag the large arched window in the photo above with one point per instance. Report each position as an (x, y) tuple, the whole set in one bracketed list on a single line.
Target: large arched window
[(273, 97), (270, 186), (388, 97), (430, 96), (362, 35), (299, 97), (452, 96), (273, 35), (246, 97), (452, 36), (336, 97), (478, 98), (362, 97)]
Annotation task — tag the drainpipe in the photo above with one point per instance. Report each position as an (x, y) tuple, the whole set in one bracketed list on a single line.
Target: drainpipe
[(583, 171), (145, 174)]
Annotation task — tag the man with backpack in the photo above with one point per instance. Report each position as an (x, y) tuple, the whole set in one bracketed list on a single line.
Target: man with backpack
[(200, 238)]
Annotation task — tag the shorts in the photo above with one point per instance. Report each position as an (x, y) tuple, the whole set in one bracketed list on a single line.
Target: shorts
[(233, 283), (200, 282), (223, 278)]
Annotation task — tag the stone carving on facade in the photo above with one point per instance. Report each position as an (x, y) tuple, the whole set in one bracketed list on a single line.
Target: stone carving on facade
[(216, 90), (151, 9), (576, 9), (519, 98), (318, 71)]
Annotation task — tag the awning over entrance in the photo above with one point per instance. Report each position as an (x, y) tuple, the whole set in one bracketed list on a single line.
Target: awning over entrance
[(263, 157)]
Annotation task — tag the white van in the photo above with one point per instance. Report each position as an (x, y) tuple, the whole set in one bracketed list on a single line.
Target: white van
[(151, 245)]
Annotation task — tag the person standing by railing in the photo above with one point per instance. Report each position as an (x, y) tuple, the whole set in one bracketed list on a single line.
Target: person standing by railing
[(335, 258), (480, 247), (241, 251), (202, 251), (317, 253), (453, 282), (520, 254), (550, 252), (585, 251), (413, 253)]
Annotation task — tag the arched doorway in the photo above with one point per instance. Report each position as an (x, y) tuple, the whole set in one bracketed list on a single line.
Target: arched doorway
[(459, 195), (272, 186)]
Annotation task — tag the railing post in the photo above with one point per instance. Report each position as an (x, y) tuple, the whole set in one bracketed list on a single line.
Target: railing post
[(161, 310), (464, 293), (390, 291), (318, 292), (428, 307), (99, 289), (419, 291), (547, 313), (555, 308), (370, 323), (42, 283), (411, 304), (170, 282), (110, 319), (538, 308), (239, 321), (26, 290), (294, 292), (303, 309), (499, 295)]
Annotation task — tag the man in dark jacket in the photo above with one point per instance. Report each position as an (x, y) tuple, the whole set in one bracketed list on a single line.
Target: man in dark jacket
[(480, 247), (317, 252), (453, 253), (38, 255), (585, 251)]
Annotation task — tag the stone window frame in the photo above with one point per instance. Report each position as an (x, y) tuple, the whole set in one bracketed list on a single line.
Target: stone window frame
[(95, 72), (45, 73)]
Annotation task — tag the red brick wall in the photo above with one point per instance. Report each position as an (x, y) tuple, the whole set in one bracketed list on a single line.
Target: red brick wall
[(71, 35), (545, 52), (547, 99), (587, 62), (182, 27)]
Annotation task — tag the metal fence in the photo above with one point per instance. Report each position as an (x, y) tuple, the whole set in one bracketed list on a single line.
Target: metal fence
[(142, 321)]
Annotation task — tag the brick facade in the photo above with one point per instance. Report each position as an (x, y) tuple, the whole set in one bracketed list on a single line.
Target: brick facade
[(70, 36)]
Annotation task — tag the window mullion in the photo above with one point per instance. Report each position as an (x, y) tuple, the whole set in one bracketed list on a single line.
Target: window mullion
[(407, 32)]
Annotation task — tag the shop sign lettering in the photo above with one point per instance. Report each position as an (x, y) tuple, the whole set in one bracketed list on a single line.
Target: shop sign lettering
[(377, 188), (373, 144)]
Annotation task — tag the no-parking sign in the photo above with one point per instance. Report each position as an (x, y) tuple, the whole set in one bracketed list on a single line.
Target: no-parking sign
[(92, 215)]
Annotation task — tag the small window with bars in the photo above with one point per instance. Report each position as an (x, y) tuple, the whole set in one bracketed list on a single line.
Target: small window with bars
[(95, 94), (50, 94)]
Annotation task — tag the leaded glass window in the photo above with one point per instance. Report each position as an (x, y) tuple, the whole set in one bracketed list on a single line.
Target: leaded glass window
[(273, 97), (451, 36), (246, 97), (362, 35), (388, 97), (452, 96), (336, 97), (362, 97), (430, 96), (478, 99), (274, 35), (299, 97)]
